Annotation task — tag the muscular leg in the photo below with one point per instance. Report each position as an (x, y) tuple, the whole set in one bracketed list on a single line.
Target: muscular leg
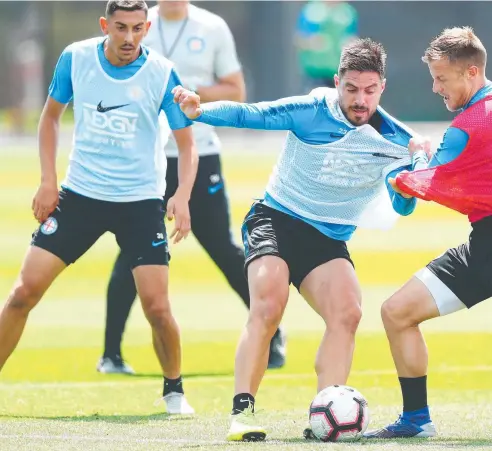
[(39, 270), (152, 287), (333, 291), (269, 286), (402, 314)]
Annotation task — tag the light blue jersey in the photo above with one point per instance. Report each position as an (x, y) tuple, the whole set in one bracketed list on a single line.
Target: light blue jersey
[(312, 122), (114, 154)]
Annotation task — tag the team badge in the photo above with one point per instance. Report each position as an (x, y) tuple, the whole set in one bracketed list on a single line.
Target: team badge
[(135, 93), (49, 226), (196, 44)]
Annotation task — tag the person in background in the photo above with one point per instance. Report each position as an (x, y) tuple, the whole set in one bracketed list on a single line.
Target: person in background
[(324, 27)]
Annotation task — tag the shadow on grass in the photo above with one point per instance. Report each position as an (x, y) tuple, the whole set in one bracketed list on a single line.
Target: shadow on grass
[(121, 419), (185, 375), (410, 443)]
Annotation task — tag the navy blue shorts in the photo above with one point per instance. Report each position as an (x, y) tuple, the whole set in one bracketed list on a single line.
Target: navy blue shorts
[(79, 221)]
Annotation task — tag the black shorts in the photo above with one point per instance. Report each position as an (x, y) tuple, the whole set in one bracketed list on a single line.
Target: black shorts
[(467, 269), (267, 231), (208, 190), (79, 221)]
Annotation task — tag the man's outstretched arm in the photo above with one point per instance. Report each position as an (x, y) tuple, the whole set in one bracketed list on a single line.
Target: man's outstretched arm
[(290, 113)]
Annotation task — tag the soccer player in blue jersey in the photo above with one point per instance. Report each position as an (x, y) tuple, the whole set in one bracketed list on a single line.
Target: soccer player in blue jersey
[(331, 176), (118, 88), (460, 277)]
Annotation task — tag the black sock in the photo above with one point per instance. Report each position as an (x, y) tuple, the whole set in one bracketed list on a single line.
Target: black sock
[(242, 402), (414, 391), (172, 385), (120, 297)]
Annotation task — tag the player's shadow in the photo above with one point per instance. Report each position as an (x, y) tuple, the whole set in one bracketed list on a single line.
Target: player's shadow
[(184, 375), (410, 443), (120, 419)]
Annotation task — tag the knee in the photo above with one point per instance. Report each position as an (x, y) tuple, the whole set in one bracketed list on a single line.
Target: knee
[(24, 297), (266, 313), (157, 310), (347, 320), (394, 316)]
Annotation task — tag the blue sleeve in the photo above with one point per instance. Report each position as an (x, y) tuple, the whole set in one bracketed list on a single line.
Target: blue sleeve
[(61, 85), (453, 143), (291, 113), (175, 116), (401, 205)]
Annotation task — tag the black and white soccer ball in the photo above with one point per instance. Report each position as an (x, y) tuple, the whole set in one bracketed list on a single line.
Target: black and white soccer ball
[(339, 413)]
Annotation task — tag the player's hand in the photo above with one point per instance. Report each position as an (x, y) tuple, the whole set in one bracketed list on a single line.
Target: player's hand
[(392, 182), (418, 144), (45, 201), (179, 210), (188, 101)]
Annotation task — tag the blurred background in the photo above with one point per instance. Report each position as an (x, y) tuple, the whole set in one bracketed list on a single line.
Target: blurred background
[(34, 33)]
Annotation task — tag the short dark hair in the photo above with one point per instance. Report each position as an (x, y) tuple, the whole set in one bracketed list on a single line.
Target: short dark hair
[(458, 44), (125, 5), (363, 55)]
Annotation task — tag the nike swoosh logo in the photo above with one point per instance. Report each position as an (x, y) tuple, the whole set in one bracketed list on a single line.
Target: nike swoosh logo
[(214, 188), (158, 243), (104, 109)]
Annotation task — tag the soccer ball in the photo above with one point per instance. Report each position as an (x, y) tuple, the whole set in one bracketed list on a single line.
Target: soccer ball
[(338, 413)]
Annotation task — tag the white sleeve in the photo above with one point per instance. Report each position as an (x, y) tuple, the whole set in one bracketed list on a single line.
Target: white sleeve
[(226, 61)]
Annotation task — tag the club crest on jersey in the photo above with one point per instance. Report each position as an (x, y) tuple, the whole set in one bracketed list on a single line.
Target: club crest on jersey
[(196, 44), (135, 92), (49, 226)]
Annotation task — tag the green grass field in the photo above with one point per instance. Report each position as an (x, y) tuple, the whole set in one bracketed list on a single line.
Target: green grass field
[(51, 397)]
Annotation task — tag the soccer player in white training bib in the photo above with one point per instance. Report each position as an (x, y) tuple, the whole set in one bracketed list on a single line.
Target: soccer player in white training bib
[(458, 176), (331, 177), (118, 88), (202, 48)]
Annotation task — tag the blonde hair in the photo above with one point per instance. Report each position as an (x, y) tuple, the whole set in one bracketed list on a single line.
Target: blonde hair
[(458, 44)]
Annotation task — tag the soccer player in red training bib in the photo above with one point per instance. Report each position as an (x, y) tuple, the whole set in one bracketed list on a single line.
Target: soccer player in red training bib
[(459, 176)]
